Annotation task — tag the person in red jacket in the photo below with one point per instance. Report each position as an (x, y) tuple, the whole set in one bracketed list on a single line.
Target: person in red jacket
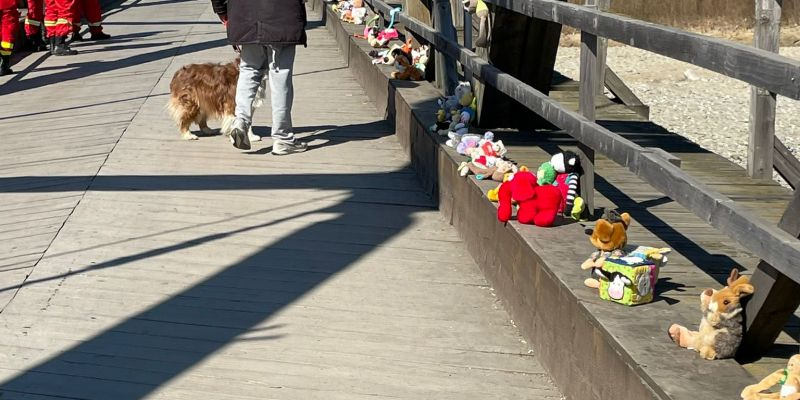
[(9, 23), (59, 15), (90, 9), (33, 25)]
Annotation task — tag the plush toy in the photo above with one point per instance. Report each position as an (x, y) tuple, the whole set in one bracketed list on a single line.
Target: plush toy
[(357, 15), (566, 162), (500, 170), (493, 194), (788, 378), (420, 58), (388, 56), (546, 174), (537, 205), (496, 172), (383, 37), (721, 327), (456, 112), (572, 205), (631, 278), (406, 70), (609, 237), (468, 142), (479, 8), (371, 24)]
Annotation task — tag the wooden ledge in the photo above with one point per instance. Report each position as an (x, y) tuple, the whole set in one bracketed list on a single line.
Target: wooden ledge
[(593, 349)]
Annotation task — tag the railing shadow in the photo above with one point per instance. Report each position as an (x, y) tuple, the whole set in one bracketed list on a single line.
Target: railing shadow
[(135, 357)]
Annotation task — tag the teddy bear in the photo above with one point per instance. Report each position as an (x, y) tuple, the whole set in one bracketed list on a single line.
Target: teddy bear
[(721, 326), (609, 237), (406, 70), (788, 378), (537, 204)]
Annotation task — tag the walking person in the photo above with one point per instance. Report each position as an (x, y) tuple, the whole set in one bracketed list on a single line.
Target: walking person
[(267, 33), (9, 23)]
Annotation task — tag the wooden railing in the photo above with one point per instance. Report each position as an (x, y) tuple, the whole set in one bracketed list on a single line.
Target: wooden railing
[(778, 275)]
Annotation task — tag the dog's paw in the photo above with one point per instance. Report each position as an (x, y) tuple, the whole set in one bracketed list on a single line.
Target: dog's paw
[(190, 136)]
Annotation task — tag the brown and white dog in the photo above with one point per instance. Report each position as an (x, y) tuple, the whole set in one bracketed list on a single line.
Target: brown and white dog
[(200, 92)]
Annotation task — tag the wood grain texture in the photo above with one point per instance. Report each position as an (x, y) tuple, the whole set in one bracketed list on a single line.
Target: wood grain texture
[(190, 269), (754, 233)]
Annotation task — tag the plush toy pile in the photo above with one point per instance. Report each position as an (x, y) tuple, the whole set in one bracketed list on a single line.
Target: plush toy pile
[(409, 63), (540, 199), (352, 11), (455, 114), (623, 274), (486, 157)]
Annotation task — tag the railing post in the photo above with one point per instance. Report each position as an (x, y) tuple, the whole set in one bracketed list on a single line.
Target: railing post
[(445, 66), (602, 46), (587, 92), (467, 43), (776, 297), (762, 102)]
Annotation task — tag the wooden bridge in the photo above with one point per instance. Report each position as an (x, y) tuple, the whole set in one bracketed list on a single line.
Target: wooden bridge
[(136, 265)]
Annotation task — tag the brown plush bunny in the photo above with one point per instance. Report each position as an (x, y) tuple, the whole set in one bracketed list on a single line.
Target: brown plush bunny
[(788, 378), (721, 327), (609, 237)]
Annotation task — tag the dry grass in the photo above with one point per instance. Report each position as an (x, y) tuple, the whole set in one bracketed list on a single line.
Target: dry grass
[(727, 19)]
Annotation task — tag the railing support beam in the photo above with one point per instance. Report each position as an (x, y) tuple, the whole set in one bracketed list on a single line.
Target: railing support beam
[(446, 77), (587, 92), (762, 102), (776, 297)]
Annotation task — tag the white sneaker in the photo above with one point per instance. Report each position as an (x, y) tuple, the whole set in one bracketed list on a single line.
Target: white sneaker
[(280, 148), (239, 135), (252, 136)]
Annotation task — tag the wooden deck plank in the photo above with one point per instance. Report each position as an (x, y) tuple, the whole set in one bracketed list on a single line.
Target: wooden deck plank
[(189, 269)]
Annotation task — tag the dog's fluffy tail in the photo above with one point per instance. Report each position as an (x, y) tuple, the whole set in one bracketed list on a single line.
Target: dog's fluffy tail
[(226, 125), (173, 107)]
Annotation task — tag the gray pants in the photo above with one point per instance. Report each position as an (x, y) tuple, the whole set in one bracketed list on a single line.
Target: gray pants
[(256, 59)]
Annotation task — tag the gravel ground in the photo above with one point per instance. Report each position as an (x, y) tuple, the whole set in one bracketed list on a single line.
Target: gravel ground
[(705, 107)]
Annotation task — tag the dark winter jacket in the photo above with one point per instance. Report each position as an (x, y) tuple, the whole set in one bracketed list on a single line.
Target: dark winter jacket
[(264, 21)]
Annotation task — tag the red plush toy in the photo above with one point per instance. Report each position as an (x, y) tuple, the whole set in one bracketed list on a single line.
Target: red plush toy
[(538, 205)]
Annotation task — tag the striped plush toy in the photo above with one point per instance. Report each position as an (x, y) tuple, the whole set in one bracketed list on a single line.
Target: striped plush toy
[(568, 185)]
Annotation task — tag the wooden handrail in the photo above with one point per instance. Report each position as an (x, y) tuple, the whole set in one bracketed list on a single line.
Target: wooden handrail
[(757, 67), (787, 164), (765, 240)]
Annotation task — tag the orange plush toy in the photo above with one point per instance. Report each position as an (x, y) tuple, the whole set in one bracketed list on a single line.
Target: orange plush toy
[(538, 204)]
